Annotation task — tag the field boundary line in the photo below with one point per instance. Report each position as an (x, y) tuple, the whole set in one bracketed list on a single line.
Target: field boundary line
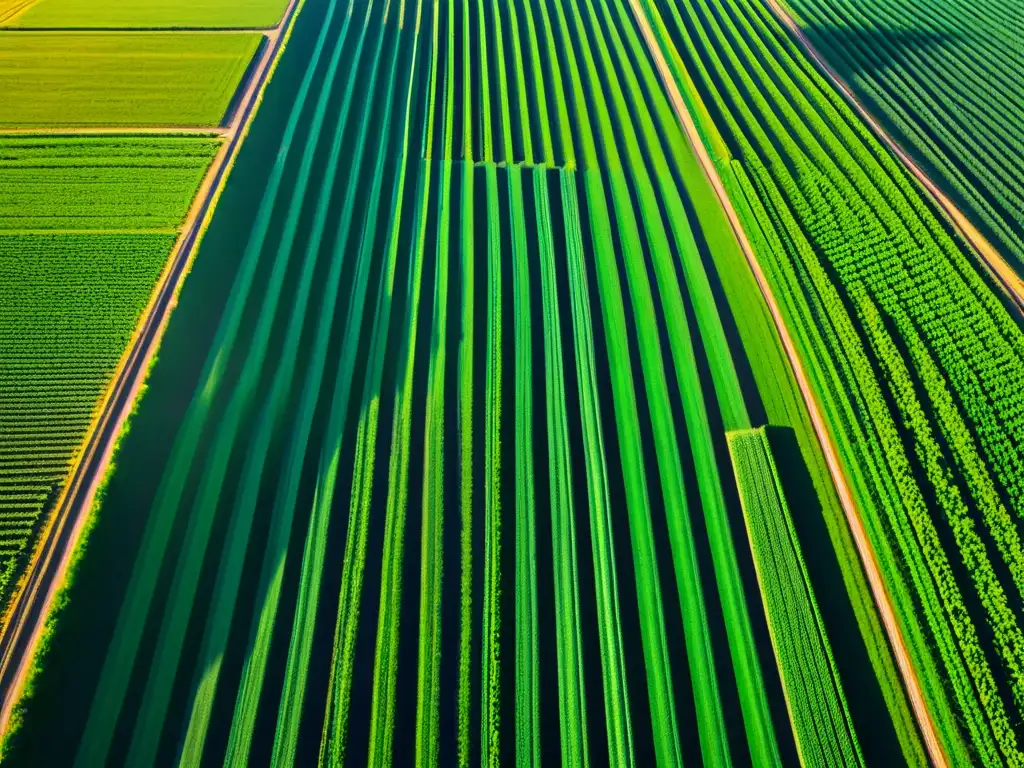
[(29, 609), (1009, 282), (864, 548)]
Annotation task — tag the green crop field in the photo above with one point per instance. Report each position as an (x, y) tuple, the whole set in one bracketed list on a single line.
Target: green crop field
[(58, 79), (86, 225), (932, 71), (99, 183), (916, 362), (433, 467), (473, 438), (10, 8), (822, 723), (145, 14)]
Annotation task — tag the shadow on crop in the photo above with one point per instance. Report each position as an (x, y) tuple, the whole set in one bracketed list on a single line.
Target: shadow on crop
[(871, 718), (861, 49)]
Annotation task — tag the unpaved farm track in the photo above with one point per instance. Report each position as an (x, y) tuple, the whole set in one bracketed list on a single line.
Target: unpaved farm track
[(864, 548), (30, 607), (1002, 273)]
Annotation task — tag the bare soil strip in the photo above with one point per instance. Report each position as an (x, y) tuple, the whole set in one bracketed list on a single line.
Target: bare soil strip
[(26, 619), (1005, 277), (864, 549)]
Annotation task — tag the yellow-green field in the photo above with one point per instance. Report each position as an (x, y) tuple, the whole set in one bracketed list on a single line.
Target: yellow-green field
[(124, 79), (146, 14), (9, 9)]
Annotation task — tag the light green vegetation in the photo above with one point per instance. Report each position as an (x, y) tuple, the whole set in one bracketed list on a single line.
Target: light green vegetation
[(821, 720), (86, 226), (57, 353), (429, 683), (55, 79), (147, 14), (99, 183), (878, 295)]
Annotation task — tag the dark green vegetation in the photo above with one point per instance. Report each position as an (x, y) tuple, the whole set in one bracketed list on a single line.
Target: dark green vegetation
[(918, 366), (86, 226), (822, 723), (944, 76), (433, 464)]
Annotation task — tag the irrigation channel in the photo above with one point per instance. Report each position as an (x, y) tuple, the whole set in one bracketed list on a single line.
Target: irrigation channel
[(433, 466)]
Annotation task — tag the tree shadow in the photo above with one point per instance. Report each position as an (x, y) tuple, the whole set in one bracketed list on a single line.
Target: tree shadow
[(861, 49)]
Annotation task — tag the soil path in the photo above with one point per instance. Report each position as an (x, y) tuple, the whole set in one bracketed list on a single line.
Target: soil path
[(27, 616), (864, 548), (1005, 277)]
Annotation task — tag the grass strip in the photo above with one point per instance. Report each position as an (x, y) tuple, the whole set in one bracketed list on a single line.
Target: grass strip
[(526, 626)]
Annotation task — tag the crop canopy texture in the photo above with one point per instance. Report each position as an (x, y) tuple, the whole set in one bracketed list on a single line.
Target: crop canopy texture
[(146, 14), (92, 183), (130, 79), (85, 228)]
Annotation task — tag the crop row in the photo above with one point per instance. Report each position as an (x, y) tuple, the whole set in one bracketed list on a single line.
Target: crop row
[(411, 450), (69, 302), (822, 722), (842, 229)]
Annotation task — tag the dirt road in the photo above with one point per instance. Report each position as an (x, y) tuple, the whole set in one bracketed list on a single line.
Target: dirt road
[(1002, 273), (864, 549), (31, 606)]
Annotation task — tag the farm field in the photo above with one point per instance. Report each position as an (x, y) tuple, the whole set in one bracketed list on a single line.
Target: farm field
[(915, 360), (123, 79), (10, 8), (433, 466), (823, 727), (86, 225), (99, 182), (146, 14), (931, 72)]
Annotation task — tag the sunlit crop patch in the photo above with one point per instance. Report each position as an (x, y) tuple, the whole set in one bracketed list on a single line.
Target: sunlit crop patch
[(144, 14), (64, 79)]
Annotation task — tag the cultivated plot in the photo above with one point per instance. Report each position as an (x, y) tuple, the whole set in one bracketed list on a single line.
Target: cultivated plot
[(945, 79), (145, 14), (918, 365), (57, 79), (99, 183), (824, 729), (86, 226), (449, 478)]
